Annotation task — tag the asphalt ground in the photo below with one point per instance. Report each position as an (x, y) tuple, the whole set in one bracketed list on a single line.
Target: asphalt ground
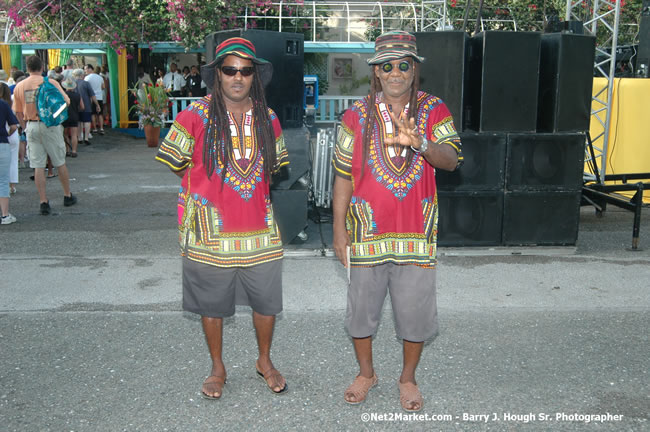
[(93, 337)]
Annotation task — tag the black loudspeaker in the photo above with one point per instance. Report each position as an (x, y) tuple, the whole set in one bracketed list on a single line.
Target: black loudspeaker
[(565, 81), (297, 143), (470, 218), (503, 82), (290, 211), (484, 166), (542, 218), (286, 52), (445, 70), (545, 161)]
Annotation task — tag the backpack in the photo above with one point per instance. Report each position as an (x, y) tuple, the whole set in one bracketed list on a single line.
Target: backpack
[(50, 104)]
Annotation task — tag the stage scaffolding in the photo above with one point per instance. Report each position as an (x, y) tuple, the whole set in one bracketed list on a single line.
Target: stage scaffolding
[(604, 16), (348, 21)]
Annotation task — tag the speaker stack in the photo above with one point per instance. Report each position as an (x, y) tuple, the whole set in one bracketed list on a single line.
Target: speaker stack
[(470, 199), (522, 101), (543, 188)]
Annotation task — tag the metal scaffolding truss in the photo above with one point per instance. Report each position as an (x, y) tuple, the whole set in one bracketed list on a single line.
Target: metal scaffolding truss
[(600, 16), (348, 21), (500, 23)]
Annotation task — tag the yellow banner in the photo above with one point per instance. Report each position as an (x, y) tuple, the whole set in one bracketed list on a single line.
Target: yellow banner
[(5, 57)]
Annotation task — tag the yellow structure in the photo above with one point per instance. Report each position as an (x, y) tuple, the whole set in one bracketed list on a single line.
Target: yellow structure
[(5, 58), (628, 149), (123, 90)]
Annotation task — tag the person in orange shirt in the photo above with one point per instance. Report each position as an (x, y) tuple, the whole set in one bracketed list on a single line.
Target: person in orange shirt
[(43, 141)]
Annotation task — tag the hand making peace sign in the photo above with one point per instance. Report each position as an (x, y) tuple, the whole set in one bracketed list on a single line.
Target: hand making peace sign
[(407, 132)]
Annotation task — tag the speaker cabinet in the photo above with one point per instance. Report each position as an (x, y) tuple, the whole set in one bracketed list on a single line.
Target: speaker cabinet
[(290, 211), (565, 82), (445, 71), (484, 166), (504, 81), (286, 52), (545, 161), (470, 218), (297, 143), (545, 218)]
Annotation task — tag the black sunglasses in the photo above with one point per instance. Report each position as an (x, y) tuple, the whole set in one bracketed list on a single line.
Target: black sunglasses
[(232, 71), (402, 66)]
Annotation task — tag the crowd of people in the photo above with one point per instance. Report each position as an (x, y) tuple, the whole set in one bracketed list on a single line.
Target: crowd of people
[(24, 140), (185, 83)]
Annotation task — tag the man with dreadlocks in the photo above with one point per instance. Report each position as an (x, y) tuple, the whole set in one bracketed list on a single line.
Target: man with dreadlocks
[(225, 147), (386, 209)]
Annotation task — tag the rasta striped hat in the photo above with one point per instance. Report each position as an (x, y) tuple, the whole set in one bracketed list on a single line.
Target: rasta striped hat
[(242, 48), (395, 45)]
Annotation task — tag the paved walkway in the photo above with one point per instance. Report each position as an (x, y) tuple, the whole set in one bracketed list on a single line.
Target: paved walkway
[(92, 336)]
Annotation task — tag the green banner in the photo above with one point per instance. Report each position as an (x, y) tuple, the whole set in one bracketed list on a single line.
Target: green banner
[(64, 56), (17, 56), (111, 56)]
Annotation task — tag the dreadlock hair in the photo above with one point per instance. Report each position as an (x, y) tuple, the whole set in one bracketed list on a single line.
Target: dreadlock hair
[(217, 142), (375, 87)]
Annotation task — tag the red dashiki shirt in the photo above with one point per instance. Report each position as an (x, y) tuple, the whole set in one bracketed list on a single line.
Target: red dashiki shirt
[(225, 223), (393, 213)]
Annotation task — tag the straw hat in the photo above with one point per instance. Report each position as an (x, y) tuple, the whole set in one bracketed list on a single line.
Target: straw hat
[(242, 48), (395, 45), (69, 84)]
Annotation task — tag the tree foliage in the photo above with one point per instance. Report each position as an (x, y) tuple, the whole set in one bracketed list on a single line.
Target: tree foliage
[(120, 21), (189, 21)]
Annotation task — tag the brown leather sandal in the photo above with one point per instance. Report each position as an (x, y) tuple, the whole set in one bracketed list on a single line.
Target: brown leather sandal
[(409, 394), (269, 374), (219, 381), (360, 388)]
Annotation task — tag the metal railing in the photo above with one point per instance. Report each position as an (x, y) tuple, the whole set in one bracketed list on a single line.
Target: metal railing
[(329, 110)]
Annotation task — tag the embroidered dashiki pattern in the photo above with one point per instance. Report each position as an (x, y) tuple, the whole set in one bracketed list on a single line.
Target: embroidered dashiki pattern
[(225, 223), (393, 213)]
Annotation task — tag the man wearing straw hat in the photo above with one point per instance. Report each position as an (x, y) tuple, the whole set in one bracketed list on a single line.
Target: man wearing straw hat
[(225, 147), (386, 210)]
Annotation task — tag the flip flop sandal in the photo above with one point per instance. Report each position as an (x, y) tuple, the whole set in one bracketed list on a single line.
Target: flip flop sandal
[(360, 388), (270, 374), (408, 395), (216, 381)]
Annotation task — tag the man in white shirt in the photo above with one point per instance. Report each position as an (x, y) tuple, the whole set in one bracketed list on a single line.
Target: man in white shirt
[(174, 81), (97, 84)]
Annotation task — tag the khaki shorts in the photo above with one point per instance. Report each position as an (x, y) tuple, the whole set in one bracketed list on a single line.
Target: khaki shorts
[(212, 291), (43, 141), (412, 295)]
